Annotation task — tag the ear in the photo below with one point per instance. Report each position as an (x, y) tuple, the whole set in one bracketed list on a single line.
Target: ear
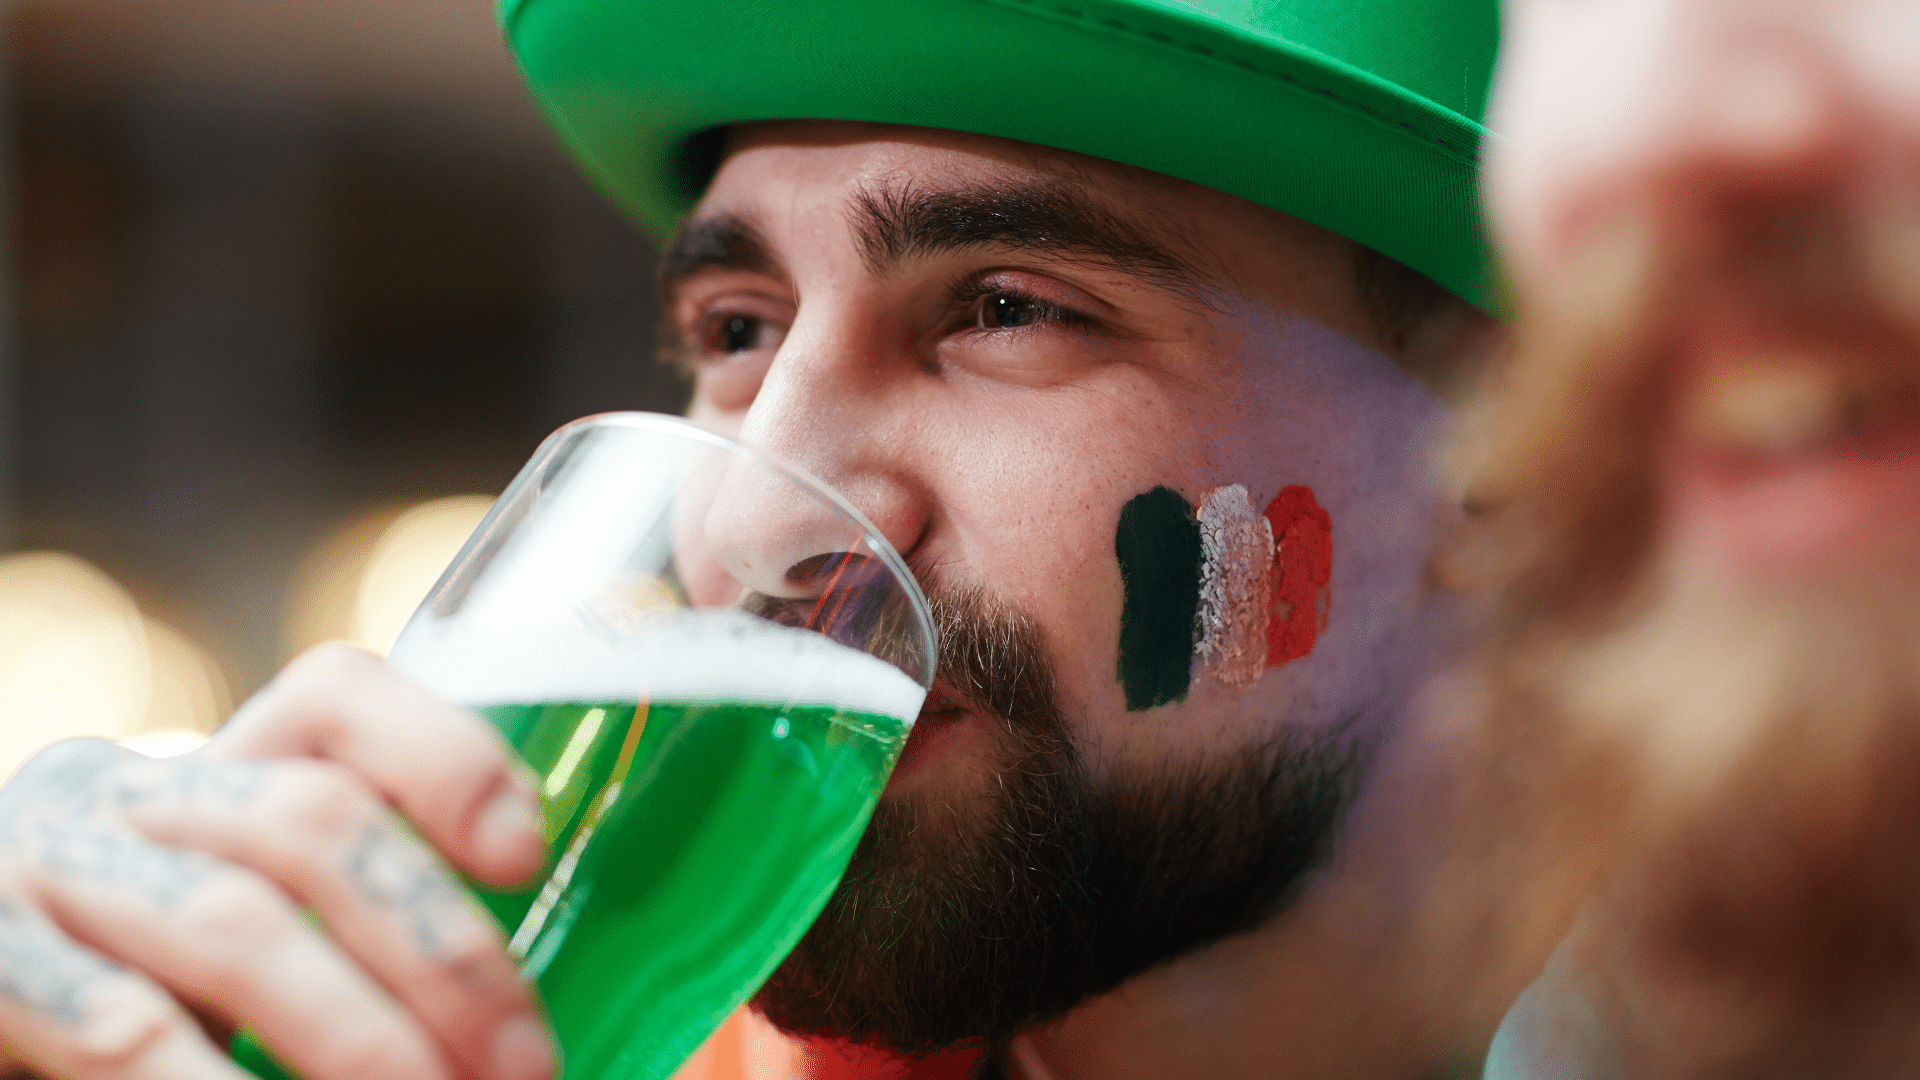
[(1473, 353)]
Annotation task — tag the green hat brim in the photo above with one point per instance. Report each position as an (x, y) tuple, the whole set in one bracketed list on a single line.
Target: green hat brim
[(1141, 82)]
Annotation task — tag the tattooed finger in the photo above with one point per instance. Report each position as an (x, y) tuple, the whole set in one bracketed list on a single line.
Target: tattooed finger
[(446, 769), (61, 781), (41, 971), (67, 1012), (234, 943), (387, 900)]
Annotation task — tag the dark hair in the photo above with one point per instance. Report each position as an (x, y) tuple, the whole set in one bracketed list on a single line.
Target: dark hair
[(1395, 296)]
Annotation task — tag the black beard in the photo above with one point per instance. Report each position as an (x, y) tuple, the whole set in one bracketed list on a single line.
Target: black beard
[(965, 928)]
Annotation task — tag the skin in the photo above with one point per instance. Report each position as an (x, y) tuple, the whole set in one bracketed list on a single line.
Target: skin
[(1678, 132), (996, 455), (927, 415), (140, 898), (1661, 106), (1694, 122)]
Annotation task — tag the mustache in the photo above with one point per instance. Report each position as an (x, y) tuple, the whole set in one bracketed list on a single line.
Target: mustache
[(990, 652), (1794, 302), (985, 648)]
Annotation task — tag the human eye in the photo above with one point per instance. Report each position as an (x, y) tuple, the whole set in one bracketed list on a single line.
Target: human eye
[(727, 342), (1011, 309), (1018, 326), (726, 335)]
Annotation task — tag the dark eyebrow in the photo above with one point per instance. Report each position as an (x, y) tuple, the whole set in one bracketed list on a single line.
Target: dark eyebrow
[(896, 223), (721, 242)]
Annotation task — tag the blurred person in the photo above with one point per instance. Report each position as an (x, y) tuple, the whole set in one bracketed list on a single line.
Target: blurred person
[(1140, 316), (1705, 465)]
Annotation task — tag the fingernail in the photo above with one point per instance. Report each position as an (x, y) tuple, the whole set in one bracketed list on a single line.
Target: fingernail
[(509, 822), (523, 1050)]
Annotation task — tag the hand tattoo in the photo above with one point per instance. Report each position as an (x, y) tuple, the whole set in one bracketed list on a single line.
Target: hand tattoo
[(164, 874), (390, 870), (62, 780), (232, 783), (43, 971)]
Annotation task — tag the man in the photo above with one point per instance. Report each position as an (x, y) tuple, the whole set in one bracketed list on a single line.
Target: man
[(1711, 445), (1151, 434), (1045, 359)]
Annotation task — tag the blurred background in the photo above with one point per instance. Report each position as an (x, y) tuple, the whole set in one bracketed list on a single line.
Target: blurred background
[(292, 289)]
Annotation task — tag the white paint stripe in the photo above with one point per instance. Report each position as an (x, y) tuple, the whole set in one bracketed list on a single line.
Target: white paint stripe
[(1236, 578)]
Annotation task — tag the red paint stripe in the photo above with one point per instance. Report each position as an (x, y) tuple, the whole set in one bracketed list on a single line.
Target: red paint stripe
[(1302, 574)]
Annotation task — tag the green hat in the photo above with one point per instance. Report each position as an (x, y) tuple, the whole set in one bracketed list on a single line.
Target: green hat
[(1362, 116)]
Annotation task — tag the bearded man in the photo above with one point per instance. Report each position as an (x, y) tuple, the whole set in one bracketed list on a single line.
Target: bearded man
[(1708, 458), (1124, 322)]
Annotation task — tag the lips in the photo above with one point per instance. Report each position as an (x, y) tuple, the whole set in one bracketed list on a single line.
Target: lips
[(1795, 461), (944, 722)]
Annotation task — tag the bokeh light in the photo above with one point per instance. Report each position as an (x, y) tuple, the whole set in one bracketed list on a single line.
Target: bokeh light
[(406, 562), (77, 657), (187, 695), (363, 581)]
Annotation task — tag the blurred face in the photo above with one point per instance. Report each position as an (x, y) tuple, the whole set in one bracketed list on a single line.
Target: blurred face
[(1711, 211), (1169, 505), (1712, 214), (1732, 188)]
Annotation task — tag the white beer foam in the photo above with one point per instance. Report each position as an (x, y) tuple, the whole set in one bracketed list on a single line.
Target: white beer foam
[(681, 655)]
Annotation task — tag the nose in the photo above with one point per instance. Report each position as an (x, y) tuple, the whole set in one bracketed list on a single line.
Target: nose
[(830, 404), (1761, 102), (1701, 111)]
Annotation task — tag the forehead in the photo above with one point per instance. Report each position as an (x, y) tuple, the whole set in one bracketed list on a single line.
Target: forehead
[(856, 152)]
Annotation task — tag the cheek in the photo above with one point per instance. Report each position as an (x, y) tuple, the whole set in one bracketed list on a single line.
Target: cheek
[(1030, 490), (1236, 589), (1582, 89), (729, 387), (708, 413)]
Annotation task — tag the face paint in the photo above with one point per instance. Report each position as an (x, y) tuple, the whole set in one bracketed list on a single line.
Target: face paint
[(1242, 591), (1302, 574), (1158, 544), (1236, 580)]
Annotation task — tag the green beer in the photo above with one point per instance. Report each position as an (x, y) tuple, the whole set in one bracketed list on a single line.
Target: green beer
[(705, 776), (681, 884)]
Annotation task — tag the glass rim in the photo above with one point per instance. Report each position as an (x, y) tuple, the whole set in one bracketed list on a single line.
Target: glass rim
[(680, 426)]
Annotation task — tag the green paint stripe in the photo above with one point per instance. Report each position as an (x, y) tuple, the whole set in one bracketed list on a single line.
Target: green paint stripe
[(1158, 544)]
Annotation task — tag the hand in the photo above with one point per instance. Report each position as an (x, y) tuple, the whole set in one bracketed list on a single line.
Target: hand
[(139, 895)]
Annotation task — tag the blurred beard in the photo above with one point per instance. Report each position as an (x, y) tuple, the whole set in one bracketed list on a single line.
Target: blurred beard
[(964, 926), (1722, 775), (1748, 848)]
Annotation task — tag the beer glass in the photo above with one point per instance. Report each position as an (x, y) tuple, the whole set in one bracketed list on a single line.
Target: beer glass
[(712, 661)]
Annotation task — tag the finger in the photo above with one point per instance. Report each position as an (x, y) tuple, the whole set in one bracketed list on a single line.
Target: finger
[(316, 831), (67, 1012), (447, 769), (226, 938)]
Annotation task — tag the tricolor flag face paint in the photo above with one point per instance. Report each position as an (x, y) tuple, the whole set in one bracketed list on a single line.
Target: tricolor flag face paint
[(1302, 574), (1236, 583), (1239, 589), (1159, 549)]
